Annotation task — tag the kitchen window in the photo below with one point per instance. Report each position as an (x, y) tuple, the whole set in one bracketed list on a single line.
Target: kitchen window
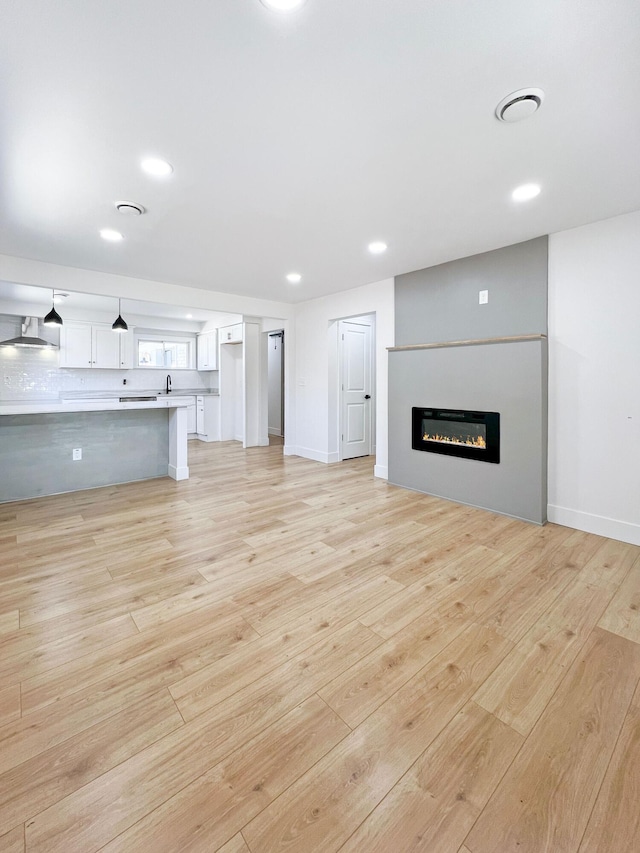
[(168, 353)]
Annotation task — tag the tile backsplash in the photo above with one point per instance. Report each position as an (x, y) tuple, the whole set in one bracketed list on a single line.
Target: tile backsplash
[(34, 374)]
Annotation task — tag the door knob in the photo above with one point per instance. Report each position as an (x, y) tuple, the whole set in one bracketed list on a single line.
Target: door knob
[(367, 396)]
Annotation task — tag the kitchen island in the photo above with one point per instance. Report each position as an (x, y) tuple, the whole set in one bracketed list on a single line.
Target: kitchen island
[(120, 440)]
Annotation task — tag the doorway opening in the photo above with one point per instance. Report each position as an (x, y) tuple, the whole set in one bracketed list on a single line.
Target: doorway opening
[(275, 379)]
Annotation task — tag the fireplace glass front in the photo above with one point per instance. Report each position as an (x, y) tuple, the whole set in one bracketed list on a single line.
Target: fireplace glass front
[(457, 432)]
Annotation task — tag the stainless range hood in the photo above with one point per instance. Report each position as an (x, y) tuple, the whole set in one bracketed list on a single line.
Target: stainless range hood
[(29, 337)]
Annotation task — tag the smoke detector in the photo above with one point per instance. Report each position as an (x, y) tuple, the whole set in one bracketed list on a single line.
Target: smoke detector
[(519, 105), (130, 208)]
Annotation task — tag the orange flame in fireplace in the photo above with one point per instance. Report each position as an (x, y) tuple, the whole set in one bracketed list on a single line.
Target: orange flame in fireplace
[(468, 441)]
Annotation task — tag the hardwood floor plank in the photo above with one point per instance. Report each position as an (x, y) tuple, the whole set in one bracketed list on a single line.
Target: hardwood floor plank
[(614, 825), (9, 704), (610, 564), (323, 808), (9, 622), (63, 527), (544, 801), (622, 616), (106, 807), (436, 802), (518, 691), (13, 842), (236, 845), (56, 772), (214, 807)]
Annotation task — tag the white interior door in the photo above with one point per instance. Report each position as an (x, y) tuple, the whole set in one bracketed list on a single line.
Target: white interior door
[(356, 397)]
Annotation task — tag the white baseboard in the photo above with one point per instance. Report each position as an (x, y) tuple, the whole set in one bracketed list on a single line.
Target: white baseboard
[(273, 431), (306, 453), (624, 531), (333, 457), (180, 473), (381, 471)]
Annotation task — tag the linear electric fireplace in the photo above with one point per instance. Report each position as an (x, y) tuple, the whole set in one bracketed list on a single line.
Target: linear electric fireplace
[(456, 432)]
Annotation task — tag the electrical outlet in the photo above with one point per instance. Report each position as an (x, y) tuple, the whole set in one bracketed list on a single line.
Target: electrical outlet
[(77, 454), (483, 297)]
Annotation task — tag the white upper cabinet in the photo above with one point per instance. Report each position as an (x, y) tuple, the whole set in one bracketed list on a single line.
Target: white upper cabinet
[(106, 346), (208, 350), (231, 334), (127, 350), (94, 345), (75, 345)]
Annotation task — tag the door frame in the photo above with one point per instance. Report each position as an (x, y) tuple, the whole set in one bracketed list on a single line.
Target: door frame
[(336, 410), (279, 333)]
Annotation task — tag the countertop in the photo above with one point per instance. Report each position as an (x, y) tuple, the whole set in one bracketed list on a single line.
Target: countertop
[(126, 391), (101, 404)]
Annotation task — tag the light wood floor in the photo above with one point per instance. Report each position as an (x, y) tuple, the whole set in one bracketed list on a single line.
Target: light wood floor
[(279, 655)]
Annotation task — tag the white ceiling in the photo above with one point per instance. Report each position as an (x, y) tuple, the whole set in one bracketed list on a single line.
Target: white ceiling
[(298, 139)]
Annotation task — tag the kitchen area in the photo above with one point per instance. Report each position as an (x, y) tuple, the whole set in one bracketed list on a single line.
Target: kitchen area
[(99, 390)]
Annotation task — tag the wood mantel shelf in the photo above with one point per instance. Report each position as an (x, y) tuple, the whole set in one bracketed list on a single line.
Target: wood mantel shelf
[(471, 343)]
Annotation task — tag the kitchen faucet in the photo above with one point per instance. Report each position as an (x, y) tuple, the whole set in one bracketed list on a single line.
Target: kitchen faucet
[(168, 388)]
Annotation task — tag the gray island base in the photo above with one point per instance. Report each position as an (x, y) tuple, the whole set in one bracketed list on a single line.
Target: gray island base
[(120, 443)]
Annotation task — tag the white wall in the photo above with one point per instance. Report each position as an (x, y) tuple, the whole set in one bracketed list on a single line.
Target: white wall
[(594, 378), (315, 353)]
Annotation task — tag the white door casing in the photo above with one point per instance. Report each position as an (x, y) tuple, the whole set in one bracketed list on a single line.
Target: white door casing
[(356, 397)]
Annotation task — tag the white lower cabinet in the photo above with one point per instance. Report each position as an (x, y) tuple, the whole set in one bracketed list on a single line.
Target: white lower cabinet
[(208, 417)]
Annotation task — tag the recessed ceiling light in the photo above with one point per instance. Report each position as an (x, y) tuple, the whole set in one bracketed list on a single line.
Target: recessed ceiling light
[(189, 316), (111, 235), (294, 278), (377, 247), (283, 5), (156, 167), (526, 192)]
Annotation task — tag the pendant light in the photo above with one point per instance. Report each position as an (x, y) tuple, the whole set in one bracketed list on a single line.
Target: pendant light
[(120, 325), (53, 318)]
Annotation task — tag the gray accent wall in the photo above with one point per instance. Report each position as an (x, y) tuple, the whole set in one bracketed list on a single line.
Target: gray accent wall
[(441, 303), (117, 447), (507, 378)]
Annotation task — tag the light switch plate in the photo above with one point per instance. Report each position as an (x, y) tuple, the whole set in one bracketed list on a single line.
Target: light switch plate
[(77, 454), (483, 297)]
